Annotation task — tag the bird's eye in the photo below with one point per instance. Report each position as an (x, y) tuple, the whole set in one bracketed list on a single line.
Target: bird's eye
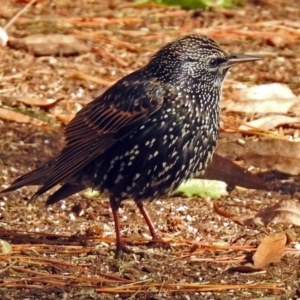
[(216, 62), (213, 62)]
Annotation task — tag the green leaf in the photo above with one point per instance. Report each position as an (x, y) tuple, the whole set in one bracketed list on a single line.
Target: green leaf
[(203, 188), (90, 193), (194, 4)]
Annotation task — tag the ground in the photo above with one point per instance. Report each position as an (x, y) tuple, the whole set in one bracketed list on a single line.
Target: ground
[(66, 251)]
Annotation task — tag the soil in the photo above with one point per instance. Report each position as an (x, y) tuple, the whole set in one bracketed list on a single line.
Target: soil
[(66, 251)]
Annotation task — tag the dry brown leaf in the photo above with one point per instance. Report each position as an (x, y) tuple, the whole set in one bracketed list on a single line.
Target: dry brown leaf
[(267, 91), (51, 44), (39, 102), (285, 211), (269, 122), (232, 174), (232, 149), (10, 115), (279, 155), (270, 250), (262, 107), (265, 98), (86, 77)]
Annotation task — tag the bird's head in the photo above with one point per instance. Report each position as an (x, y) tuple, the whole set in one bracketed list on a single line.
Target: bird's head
[(196, 58)]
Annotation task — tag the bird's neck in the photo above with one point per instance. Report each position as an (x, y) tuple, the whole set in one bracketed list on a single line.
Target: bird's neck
[(203, 104)]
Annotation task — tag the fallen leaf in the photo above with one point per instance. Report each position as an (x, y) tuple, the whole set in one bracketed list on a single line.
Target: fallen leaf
[(10, 115), (89, 78), (263, 107), (38, 102), (232, 174), (202, 188), (90, 193), (270, 250), (232, 149), (276, 155), (50, 44), (267, 91), (265, 98), (272, 154), (269, 122), (285, 211)]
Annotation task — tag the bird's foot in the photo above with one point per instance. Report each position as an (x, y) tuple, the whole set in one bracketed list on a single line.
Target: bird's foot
[(157, 241), (121, 249)]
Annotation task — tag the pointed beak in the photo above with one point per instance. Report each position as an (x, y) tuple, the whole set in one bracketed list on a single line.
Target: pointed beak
[(235, 59)]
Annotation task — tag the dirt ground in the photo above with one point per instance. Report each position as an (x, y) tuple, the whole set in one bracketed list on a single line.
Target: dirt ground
[(66, 251)]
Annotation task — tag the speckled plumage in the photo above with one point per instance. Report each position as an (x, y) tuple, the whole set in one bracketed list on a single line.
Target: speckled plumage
[(153, 129)]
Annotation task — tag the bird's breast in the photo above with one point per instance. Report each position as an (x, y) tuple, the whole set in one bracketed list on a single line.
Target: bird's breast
[(168, 148)]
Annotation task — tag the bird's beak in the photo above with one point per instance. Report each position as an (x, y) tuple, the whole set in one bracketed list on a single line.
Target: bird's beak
[(235, 59)]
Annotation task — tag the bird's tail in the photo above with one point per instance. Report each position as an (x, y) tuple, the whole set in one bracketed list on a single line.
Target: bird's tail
[(35, 177), (38, 177)]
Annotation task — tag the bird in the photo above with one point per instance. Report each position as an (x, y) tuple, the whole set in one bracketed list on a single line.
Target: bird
[(146, 134)]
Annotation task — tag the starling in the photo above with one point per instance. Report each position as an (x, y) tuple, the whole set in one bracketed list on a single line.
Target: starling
[(146, 134)]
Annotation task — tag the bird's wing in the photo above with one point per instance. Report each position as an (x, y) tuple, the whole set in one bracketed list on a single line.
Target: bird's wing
[(108, 118)]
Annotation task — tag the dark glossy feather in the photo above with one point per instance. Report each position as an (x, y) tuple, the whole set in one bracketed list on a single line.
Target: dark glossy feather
[(63, 192), (35, 177)]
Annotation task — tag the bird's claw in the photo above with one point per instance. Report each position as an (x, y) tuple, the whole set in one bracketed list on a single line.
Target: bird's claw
[(121, 249), (157, 241)]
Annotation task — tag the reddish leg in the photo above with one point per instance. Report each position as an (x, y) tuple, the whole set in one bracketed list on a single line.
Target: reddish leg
[(155, 235), (120, 245)]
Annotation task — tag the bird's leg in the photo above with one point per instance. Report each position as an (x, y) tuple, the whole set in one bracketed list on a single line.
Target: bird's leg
[(120, 245), (154, 233)]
